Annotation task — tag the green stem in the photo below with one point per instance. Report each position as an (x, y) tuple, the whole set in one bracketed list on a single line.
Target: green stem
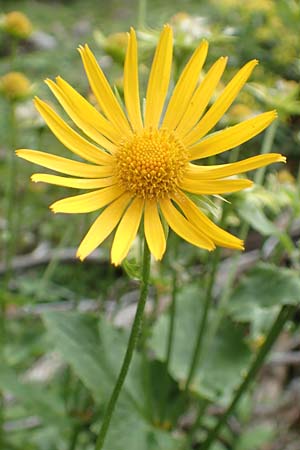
[(203, 322), (9, 243), (170, 341), (134, 335), (172, 319), (265, 148), (74, 438), (208, 297), (226, 292), (203, 404), (10, 193), (142, 9), (2, 362), (282, 317)]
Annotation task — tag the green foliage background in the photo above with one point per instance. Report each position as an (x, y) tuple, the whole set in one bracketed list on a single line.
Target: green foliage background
[(72, 309)]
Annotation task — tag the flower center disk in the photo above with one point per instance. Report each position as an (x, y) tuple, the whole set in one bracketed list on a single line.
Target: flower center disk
[(151, 164)]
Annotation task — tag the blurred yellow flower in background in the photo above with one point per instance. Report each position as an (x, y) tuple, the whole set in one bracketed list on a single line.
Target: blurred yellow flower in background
[(17, 24), (141, 165), (15, 86)]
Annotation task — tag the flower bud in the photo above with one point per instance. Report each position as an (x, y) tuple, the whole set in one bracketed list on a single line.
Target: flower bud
[(15, 86), (17, 24)]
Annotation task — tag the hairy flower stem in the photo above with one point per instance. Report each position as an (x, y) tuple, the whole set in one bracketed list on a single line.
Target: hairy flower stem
[(133, 339), (282, 317)]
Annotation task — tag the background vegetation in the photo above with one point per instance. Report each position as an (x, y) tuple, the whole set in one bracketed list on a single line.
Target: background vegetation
[(59, 359)]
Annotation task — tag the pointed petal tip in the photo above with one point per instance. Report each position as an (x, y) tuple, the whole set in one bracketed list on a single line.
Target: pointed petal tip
[(80, 255), (21, 152), (275, 113), (116, 263), (52, 207), (248, 183), (34, 178)]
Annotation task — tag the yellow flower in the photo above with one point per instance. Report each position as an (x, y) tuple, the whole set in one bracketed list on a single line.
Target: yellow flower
[(15, 86), (142, 166), (17, 24)]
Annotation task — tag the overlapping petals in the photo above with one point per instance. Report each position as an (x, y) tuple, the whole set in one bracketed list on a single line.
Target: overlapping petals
[(187, 117)]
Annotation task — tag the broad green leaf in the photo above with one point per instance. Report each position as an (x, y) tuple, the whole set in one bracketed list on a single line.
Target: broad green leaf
[(223, 360), (265, 287), (33, 396), (95, 354), (254, 215), (129, 430), (256, 437)]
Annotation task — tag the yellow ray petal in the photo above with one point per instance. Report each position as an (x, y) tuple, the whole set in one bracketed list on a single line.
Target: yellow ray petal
[(78, 183), (103, 226), (64, 165), (72, 140), (227, 170), (79, 117), (103, 92), (201, 97), (184, 228), (126, 231), (207, 187), (89, 202), (154, 231), (131, 83), (232, 136), (199, 219), (223, 102), (89, 113), (185, 87), (159, 78)]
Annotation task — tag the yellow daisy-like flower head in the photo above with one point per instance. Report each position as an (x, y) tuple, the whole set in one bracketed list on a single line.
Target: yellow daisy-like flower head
[(141, 165)]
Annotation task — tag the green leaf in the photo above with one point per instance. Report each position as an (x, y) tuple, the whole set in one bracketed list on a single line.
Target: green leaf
[(264, 287), (223, 360), (256, 437), (254, 215), (128, 430), (95, 355), (95, 352), (33, 396), (132, 268)]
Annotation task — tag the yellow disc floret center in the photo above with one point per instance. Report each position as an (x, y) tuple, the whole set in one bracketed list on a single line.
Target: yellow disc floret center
[(151, 164)]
